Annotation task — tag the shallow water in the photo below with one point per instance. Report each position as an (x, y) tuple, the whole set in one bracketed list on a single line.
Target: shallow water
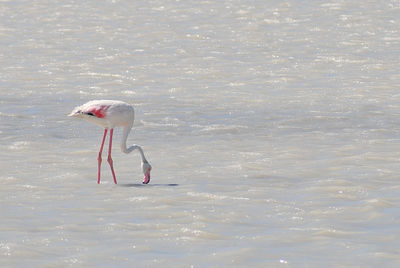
[(273, 130)]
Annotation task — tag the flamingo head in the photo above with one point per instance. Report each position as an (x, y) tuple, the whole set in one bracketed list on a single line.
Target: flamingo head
[(146, 171)]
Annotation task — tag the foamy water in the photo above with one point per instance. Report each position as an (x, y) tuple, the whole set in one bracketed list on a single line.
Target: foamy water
[(273, 129)]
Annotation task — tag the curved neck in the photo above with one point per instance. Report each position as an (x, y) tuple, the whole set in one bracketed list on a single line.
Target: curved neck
[(125, 134), (126, 150)]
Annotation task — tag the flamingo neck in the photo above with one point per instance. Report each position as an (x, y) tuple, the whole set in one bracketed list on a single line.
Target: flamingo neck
[(127, 150)]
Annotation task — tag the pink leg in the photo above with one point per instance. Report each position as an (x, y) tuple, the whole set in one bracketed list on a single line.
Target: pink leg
[(99, 157), (110, 161)]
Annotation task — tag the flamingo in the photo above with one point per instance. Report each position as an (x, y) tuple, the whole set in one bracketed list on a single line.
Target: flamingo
[(110, 114)]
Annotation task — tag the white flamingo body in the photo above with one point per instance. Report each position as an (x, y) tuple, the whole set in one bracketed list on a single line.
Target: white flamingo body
[(110, 114)]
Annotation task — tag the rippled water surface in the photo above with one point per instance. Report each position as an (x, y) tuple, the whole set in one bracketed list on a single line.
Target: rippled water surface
[(273, 129)]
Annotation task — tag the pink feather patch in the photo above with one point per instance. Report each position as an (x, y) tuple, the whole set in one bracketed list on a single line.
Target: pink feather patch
[(99, 112)]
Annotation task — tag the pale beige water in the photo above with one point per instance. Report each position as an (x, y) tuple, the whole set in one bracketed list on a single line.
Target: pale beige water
[(272, 128)]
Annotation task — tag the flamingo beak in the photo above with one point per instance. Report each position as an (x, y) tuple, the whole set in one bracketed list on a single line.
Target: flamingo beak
[(146, 178)]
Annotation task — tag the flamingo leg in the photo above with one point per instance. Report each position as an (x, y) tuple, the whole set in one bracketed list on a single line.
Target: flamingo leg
[(99, 157), (109, 159)]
